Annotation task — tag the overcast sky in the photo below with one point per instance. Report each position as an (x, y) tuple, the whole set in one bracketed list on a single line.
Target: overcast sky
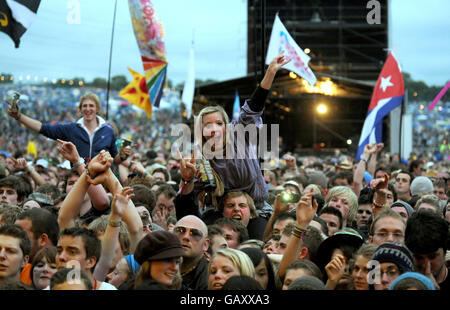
[(54, 47)]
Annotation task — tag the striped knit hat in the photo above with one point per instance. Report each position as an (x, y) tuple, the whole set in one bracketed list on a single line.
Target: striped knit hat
[(395, 252)]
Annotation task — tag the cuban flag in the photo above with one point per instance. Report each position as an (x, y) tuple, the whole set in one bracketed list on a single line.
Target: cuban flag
[(387, 95), (236, 107)]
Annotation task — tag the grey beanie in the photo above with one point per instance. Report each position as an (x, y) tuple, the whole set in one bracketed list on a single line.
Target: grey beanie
[(306, 283), (421, 185), (318, 178), (405, 205)]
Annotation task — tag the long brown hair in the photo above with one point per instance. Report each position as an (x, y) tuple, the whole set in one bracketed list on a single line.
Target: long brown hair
[(144, 274)]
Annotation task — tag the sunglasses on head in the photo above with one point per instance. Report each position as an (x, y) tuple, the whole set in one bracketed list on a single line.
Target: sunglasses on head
[(193, 232)]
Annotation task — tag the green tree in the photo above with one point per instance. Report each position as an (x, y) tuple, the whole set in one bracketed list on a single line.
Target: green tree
[(118, 82), (420, 91), (6, 78), (99, 82)]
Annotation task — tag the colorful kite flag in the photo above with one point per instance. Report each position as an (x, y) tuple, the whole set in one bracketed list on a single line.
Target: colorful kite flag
[(136, 92), (387, 95), (149, 35), (16, 17)]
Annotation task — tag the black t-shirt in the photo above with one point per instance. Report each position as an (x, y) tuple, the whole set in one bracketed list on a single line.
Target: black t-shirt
[(197, 279)]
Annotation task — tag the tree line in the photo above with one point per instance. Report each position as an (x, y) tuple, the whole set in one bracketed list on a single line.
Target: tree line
[(417, 90)]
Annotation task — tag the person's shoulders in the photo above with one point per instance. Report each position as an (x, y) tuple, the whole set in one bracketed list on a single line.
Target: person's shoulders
[(203, 262), (105, 286), (107, 127)]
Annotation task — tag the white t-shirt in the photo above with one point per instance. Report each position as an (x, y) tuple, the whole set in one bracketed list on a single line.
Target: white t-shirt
[(105, 286)]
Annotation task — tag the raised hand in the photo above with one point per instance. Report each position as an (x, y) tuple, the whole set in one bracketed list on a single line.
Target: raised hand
[(279, 206), (278, 61), (187, 167), (380, 183), (120, 201), (335, 268), (20, 164), (100, 163), (126, 151), (13, 107), (370, 148), (68, 150), (379, 147), (306, 209), (373, 148)]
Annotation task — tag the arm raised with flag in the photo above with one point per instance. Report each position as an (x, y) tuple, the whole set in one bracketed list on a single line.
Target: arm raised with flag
[(240, 169), (259, 96)]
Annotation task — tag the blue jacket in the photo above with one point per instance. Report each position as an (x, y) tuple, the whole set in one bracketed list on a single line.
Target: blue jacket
[(88, 147)]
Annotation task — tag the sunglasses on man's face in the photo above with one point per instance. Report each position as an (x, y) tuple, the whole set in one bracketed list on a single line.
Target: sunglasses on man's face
[(193, 232)]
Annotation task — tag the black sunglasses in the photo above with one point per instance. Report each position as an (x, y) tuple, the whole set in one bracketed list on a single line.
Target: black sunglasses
[(193, 232)]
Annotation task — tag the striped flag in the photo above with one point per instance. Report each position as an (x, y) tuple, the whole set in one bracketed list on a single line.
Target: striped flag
[(387, 95), (149, 33), (16, 17)]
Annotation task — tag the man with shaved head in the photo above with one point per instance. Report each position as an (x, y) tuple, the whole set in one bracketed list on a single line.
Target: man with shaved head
[(193, 235)]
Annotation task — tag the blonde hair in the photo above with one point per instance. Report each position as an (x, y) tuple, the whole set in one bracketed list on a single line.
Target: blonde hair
[(239, 259), (94, 98), (198, 124), (351, 198)]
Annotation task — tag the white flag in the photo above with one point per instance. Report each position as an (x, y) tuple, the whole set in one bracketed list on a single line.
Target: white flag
[(280, 39), (189, 86)]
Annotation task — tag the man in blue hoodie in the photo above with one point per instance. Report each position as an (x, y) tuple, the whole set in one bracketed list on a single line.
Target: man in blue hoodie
[(90, 134)]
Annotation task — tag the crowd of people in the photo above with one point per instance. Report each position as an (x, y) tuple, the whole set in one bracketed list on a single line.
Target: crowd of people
[(431, 128), (138, 217)]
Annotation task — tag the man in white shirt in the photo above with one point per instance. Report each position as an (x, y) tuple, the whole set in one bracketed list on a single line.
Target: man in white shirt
[(80, 248)]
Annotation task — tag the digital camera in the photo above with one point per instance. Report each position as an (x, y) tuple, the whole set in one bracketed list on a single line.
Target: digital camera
[(289, 197)]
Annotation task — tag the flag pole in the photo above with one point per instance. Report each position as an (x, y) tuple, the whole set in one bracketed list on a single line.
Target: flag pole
[(263, 53), (263, 37), (402, 111), (110, 59)]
